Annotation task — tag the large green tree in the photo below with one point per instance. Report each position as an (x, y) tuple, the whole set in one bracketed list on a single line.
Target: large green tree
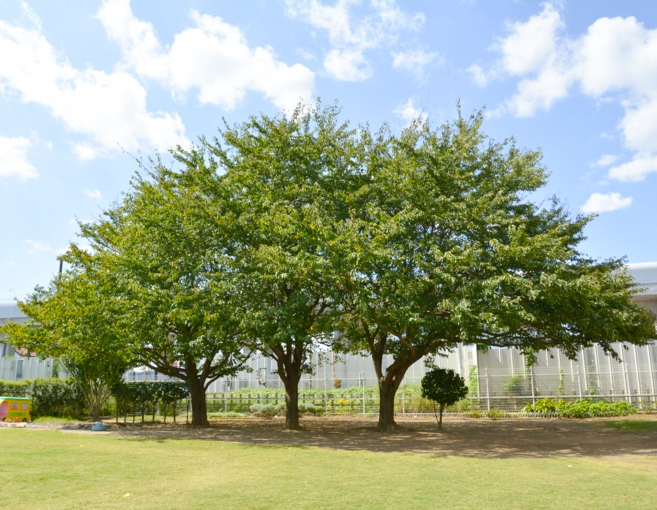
[(161, 256), (447, 246), (72, 320), (286, 177)]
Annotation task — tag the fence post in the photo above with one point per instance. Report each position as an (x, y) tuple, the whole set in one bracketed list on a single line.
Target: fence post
[(404, 400), (650, 373), (363, 379), (579, 383), (627, 383), (487, 390), (531, 382)]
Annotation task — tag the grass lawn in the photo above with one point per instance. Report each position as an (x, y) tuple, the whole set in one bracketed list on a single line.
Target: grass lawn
[(631, 425), (51, 469)]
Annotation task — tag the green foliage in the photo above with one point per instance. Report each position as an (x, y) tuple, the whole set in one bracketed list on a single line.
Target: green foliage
[(15, 388), (50, 397), (444, 386), (309, 409), (516, 385), (286, 229), (271, 410), (560, 388), (149, 397), (95, 376), (71, 320), (267, 410), (443, 245), (580, 408), (229, 414)]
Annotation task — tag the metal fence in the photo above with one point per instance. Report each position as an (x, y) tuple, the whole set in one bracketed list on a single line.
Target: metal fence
[(490, 390)]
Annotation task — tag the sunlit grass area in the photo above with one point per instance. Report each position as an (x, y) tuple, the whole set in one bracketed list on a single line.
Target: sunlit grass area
[(51, 469), (631, 425)]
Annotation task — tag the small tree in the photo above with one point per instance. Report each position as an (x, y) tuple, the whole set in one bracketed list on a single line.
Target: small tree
[(95, 375), (444, 386), (72, 321)]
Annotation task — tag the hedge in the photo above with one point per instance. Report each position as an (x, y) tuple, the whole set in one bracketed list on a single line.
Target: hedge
[(581, 408), (148, 398), (50, 397)]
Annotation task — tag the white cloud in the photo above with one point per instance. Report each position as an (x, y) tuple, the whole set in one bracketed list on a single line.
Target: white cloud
[(599, 203), (479, 76), (347, 65), (408, 112), (86, 151), (306, 55), (636, 170), (110, 108), (532, 44), (213, 58), (606, 160), (38, 245), (414, 61), (350, 39), (13, 158), (95, 194), (616, 59)]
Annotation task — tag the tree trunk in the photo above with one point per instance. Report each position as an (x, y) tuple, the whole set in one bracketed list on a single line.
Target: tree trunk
[(387, 390), (440, 423), (292, 406), (388, 385), (92, 393), (95, 413), (289, 359), (199, 406)]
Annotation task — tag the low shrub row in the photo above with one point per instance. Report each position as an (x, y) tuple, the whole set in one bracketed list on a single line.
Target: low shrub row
[(580, 408), (271, 410), (149, 398), (50, 397)]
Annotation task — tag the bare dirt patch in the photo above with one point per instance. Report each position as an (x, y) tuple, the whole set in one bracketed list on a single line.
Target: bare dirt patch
[(471, 437)]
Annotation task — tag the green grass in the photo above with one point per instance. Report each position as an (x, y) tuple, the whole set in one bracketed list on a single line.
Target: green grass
[(229, 414), (50, 469), (631, 425), (56, 419)]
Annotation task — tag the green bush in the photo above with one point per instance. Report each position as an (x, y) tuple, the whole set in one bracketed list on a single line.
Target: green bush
[(267, 410), (445, 387), (543, 406), (307, 408), (229, 414), (50, 397), (15, 388), (580, 408), (149, 397), (58, 397), (516, 385)]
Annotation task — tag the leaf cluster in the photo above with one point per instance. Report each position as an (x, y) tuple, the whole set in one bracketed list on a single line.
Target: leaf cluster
[(444, 386)]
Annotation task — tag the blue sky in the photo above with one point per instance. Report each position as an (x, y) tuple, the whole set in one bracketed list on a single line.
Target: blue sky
[(85, 85)]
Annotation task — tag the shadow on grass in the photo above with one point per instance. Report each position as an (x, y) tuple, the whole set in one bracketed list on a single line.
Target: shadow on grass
[(467, 438)]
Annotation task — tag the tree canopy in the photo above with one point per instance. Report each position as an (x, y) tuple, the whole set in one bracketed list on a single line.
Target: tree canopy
[(286, 229), (445, 387), (448, 247), (72, 321), (161, 255)]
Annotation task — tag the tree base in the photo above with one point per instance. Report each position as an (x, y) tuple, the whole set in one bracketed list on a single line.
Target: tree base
[(388, 427), (296, 429)]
